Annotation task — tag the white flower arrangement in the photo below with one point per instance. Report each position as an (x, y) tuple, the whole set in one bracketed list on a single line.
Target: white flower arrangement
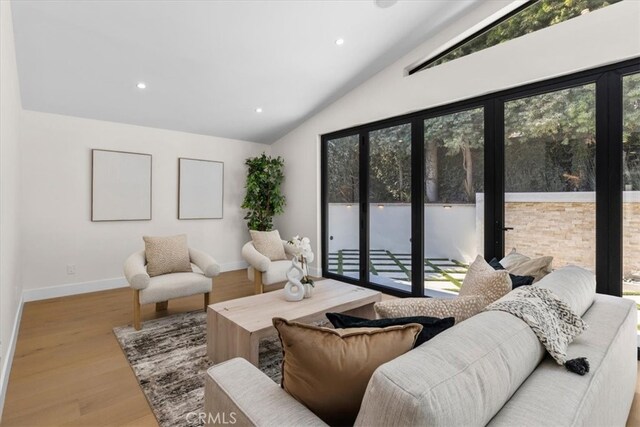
[(301, 248)]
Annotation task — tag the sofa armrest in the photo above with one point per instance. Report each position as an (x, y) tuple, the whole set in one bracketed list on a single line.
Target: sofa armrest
[(205, 262), (238, 393), (255, 258), (135, 271), (461, 308)]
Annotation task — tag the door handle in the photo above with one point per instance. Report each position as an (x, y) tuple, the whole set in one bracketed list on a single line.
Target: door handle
[(507, 228)]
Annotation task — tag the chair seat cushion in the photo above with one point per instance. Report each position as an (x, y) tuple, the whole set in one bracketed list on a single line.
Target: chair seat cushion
[(176, 285), (276, 273)]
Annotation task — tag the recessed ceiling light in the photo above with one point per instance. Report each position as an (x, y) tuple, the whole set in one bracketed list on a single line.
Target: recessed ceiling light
[(141, 85), (258, 110), (383, 4), (340, 42)]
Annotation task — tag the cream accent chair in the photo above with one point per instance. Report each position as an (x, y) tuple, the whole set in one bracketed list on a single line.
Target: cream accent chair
[(160, 289), (264, 272)]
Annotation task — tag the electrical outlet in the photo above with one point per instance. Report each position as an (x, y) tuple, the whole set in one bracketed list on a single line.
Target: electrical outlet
[(71, 269)]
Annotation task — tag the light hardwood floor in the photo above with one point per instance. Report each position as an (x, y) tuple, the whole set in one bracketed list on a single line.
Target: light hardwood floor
[(68, 368)]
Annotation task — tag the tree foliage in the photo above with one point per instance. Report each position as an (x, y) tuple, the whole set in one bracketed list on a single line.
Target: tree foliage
[(263, 197), (390, 165), (539, 15), (342, 164), (550, 141)]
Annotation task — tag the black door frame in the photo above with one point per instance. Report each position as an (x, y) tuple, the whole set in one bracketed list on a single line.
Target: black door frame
[(608, 81)]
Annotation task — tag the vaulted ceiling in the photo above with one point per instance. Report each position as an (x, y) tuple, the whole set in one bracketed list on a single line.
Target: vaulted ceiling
[(209, 65)]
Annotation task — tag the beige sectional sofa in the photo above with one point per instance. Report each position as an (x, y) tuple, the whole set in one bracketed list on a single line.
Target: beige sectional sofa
[(488, 370)]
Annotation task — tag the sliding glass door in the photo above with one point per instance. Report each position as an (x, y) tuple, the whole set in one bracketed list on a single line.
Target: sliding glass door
[(390, 207), (550, 175), (453, 197), (342, 210)]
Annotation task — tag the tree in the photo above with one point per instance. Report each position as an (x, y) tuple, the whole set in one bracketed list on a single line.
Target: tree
[(343, 166), (460, 137)]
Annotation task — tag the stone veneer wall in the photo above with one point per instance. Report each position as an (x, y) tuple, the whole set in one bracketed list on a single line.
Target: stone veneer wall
[(566, 231)]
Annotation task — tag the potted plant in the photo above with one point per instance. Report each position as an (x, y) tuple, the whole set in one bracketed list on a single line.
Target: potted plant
[(301, 248), (263, 198)]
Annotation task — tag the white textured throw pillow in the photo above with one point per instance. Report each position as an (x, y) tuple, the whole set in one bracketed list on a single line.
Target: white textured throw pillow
[(167, 254), (522, 265), (512, 259), (269, 244), (482, 280)]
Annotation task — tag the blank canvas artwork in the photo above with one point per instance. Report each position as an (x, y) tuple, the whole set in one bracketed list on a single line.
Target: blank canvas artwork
[(200, 194), (121, 186)]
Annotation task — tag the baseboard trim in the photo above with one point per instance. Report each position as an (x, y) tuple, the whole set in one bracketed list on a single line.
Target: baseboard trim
[(69, 289), (73, 289), (8, 360), (232, 266)]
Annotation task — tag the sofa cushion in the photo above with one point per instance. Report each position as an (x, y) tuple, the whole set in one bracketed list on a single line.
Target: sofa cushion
[(176, 285), (461, 377), (328, 370), (431, 326), (276, 273), (169, 254), (269, 244), (575, 285), (553, 396)]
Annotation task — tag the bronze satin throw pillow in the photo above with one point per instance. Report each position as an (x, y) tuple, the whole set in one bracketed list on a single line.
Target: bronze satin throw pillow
[(328, 370), (167, 254)]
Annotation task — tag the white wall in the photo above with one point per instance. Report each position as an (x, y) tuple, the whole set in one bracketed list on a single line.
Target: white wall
[(597, 38), (56, 185), (449, 233), (10, 106)]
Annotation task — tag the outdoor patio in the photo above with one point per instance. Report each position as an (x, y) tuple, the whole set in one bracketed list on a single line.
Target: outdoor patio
[(440, 273)]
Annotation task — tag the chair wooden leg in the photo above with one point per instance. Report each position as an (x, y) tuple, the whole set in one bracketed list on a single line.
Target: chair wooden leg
[(257, 282), (136, 309), (162, 305), (206, 300)]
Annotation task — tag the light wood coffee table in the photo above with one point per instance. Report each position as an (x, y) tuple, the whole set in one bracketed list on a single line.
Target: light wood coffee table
[(235, 327)]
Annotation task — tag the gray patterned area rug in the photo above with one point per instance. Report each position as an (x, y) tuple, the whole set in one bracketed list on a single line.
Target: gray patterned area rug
[(169, 358)]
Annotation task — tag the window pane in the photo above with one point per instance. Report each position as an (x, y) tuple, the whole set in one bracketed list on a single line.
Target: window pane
[(541, 14), (343, 218), (390, 207), (631, 186), (454, 198), (550, 149)]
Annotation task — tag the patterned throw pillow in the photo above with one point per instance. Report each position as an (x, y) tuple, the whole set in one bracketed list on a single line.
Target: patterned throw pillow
[(482, 280), (269, 244), (460, 308), (167, 254)]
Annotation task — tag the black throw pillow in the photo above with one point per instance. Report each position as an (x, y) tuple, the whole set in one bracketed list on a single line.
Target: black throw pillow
[(431, 326), (516, 281)]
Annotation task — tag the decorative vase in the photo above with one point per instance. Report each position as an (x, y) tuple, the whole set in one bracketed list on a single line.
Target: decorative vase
[(308, 290), (294, 290)]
